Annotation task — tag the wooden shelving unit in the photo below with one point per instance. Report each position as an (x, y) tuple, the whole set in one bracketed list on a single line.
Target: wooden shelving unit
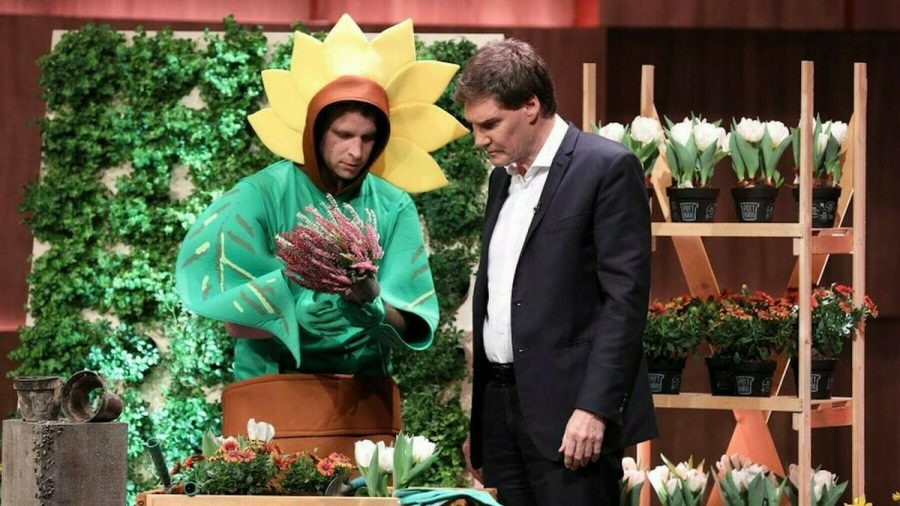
[(812, 248)]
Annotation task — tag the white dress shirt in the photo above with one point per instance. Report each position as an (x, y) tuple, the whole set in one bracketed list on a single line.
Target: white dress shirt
[(507, 240)]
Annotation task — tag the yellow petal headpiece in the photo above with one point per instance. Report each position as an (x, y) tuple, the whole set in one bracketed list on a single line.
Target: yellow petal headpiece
[(417, 126)]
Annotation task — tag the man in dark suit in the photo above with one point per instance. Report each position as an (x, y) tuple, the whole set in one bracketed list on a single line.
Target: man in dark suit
[(560, 381)]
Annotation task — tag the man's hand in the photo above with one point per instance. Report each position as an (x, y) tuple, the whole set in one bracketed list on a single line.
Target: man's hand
[(583, 438)]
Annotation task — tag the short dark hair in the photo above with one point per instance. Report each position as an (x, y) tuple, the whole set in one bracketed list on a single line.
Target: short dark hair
[(510, 72)]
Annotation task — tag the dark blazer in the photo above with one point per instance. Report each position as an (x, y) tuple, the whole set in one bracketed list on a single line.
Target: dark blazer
[(579, 298)]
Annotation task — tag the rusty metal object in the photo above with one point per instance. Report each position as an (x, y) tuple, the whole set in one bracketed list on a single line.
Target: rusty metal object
[(38, 397), (77, 401)]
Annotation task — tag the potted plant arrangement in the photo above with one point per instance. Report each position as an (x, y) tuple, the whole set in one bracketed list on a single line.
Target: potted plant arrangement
[(834, 318), (693, 148), (748, 333), (828, 141), (641, 137), (755, 148), (673, 332)]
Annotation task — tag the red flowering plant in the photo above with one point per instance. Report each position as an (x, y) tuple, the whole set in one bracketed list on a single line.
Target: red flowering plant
[(751, 327), (333, 251), (675, 329), (254, 465), (834, 318)]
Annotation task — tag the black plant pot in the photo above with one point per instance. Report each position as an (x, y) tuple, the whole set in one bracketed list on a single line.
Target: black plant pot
[(821, 376), (824, 205), (753, 379), (692, 204), (755, 204), (721, 378), (665, 375)]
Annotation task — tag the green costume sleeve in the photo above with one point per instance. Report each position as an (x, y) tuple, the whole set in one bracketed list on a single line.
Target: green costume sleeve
[(226, 270), (405, 278)]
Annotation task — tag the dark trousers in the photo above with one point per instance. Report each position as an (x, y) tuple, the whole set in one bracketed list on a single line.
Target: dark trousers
[(524, 477)]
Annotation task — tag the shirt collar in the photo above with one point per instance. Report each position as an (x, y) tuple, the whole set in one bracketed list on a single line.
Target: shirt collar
[(548, 151)]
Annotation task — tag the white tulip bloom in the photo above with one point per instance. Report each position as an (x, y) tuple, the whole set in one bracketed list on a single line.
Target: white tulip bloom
[(673, 485), (422, 449), (822, 141), (628, 464), (385, 457), (635, 477), (658, 477), (645, 130), (750, 130), (706, 134), (363, 451), (696, 480), (778, 132), (725, 142), (681, 132), (839, 131), (612, 131), (261, 431)]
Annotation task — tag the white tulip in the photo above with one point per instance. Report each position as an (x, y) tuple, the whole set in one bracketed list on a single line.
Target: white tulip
[(706, 134), (681, 132), (658, 476), (645, 130), (634, 476), (681, 470), (696, 481), (750, 130), (422, 449), (778, 132), (628, 464), (839, 131), (741, 478), (725, 142), (612, 131), (363, 451), (824, 477), (261, 431), (385, 457), (672, 486)]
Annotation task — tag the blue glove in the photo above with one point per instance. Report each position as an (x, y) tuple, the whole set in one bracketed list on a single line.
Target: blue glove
[(437, 496)]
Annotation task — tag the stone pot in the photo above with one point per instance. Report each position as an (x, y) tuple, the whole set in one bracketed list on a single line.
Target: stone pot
[(39, 397)]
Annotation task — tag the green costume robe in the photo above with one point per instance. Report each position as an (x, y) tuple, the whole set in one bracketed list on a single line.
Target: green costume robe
[(227, 270)]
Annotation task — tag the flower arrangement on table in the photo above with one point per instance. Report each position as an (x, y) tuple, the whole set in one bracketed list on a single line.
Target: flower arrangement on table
[(642, 137), (834, 318), (334, 251), (254, 465), (681, 484), (740, 479)]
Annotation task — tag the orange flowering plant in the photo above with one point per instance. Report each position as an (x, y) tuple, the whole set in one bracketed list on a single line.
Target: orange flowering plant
[(751, 326), (834, 318), (676, 328), (254, 465)]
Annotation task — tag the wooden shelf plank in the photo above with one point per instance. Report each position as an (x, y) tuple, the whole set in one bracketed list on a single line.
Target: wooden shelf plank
[(727, 229), (834, 412), (726, 402)]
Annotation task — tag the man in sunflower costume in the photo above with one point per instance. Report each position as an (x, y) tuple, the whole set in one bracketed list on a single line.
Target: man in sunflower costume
[(354, 119)]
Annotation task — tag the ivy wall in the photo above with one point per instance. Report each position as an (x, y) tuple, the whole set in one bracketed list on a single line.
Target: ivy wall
[(119, 131)]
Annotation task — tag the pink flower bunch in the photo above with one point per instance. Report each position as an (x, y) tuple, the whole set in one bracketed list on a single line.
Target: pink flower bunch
[(331, 251)]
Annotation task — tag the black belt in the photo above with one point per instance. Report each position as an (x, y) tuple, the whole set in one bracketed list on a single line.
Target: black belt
[(503, 375)]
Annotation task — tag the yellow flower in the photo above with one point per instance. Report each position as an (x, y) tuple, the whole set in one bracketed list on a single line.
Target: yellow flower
[(417, 125), (859, 501), (896, 496)]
